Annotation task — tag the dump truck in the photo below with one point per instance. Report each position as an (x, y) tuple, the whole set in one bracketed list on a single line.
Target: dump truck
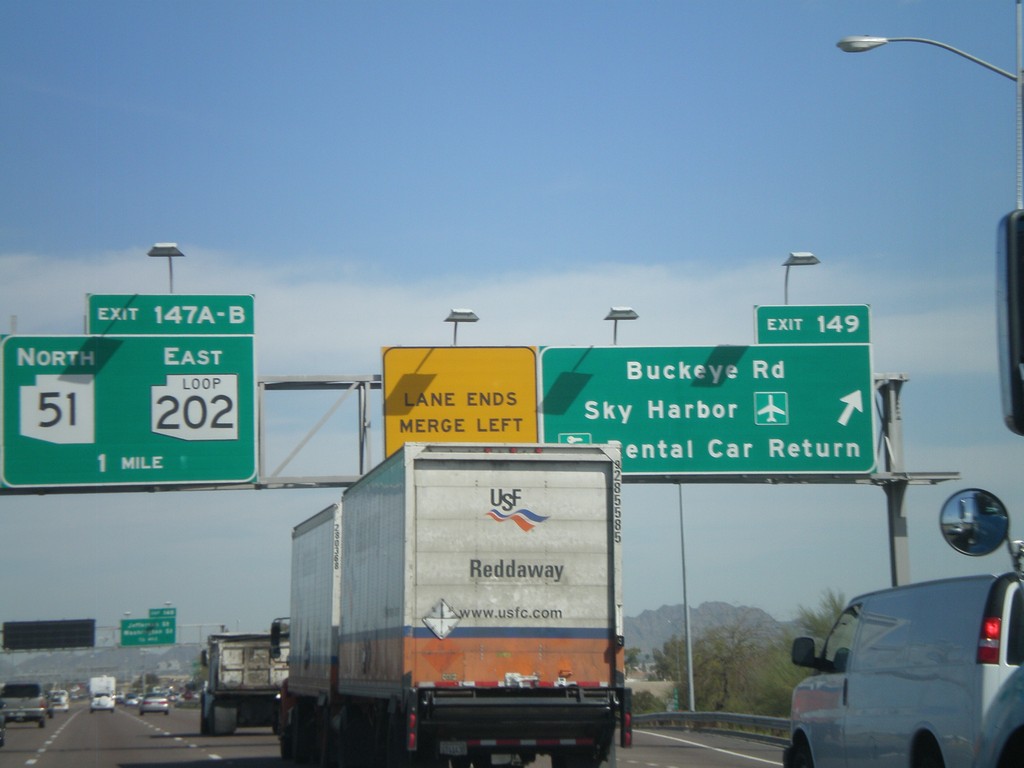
[(462, 604), (243, 682)]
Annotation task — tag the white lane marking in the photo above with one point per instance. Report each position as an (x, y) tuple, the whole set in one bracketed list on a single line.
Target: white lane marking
[(713, 749)]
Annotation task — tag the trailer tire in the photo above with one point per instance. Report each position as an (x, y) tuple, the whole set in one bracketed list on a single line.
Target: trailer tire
[(397, 756), (301, 753), (584, 761), (284, 739), (223, 720), (328, 746), (204, 723)]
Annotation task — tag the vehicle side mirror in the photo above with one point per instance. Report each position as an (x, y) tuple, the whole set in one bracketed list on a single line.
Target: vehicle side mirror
[(974, 522), (803, 654)]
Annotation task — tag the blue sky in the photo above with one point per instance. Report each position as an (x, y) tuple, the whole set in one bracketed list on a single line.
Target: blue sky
[(362, 167)]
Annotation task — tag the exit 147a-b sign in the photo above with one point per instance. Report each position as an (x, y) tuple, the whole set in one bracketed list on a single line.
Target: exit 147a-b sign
[(764, 409), (127, 410)]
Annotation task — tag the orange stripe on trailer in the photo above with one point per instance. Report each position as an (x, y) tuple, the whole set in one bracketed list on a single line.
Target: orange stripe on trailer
[(484, 662)]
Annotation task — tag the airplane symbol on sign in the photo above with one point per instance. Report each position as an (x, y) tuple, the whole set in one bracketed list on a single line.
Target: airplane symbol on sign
[(769, 410)]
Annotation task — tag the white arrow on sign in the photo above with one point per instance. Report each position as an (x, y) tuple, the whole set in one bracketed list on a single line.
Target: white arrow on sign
[(854, 402)]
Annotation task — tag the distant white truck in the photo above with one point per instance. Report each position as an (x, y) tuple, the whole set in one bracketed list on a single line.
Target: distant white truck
[(105, 684), (101, 693), (243, 683)]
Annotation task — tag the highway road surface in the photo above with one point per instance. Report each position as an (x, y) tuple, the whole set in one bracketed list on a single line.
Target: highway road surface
[(124, 739)]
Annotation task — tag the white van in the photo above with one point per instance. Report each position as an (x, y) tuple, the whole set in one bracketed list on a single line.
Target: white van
[(906, 675)]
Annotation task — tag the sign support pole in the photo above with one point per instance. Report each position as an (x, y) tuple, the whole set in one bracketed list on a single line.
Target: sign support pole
[(895, 487)]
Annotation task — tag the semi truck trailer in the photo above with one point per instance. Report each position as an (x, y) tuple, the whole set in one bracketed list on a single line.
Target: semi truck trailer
[(461, 605)]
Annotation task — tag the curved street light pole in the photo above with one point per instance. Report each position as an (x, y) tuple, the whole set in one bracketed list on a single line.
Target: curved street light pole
[(862, 43)]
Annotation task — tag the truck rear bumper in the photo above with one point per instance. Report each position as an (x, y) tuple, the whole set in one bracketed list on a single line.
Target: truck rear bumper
[(536, 721)]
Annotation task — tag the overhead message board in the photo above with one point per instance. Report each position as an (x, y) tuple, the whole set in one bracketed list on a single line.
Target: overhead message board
[(459, 395), (127, 410), (771, 409)]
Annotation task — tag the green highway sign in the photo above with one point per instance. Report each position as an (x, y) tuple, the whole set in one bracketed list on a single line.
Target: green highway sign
[(127, 410), (824, 324), (148, 631), (769, 409), (163, 613), (158, 314)]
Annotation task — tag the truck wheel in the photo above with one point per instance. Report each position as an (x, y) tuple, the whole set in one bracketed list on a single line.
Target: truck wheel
[(223, 720), (800, 756), (397, 755), (301, 752), (583, 761), (204, 721), (284, 740), (329, 748)]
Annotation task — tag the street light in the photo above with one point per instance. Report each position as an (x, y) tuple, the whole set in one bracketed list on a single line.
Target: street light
[(862, 43), (457, 316), (170, 252), (797, 259), (619, 313)]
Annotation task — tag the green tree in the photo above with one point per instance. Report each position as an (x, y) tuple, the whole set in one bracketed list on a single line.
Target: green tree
[(726, 659), (817, 622), (645, 701), (670, 661)]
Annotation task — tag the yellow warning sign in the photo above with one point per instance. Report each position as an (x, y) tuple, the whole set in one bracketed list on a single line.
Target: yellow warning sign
[(459, 395)]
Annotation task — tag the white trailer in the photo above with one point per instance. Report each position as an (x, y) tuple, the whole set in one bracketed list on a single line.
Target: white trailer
[(462, 604)]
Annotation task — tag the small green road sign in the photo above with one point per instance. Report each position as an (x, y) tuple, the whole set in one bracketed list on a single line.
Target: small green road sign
[(148, 631), (157, 314), (127, 410), (824, 324), (574, 438), (163, 613), (769, 409)]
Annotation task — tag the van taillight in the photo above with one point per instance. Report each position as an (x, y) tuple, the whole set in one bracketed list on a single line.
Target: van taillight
[(988, 643)]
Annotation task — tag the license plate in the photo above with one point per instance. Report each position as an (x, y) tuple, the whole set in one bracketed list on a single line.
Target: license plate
[(453, 748)]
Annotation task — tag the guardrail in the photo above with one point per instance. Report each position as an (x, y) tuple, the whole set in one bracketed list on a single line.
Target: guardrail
[(774, 730)]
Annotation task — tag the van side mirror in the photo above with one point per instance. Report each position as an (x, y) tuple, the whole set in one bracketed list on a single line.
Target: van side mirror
[(803, 654), (974, 522)]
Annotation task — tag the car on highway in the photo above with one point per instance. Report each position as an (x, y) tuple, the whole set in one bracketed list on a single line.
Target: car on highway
[(24, 702), (59, 700), (154, 702), (131, 700), (101, 702), (3, 725)]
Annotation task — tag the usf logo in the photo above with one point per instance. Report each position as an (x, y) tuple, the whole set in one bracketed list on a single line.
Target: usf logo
[(504, 502)]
